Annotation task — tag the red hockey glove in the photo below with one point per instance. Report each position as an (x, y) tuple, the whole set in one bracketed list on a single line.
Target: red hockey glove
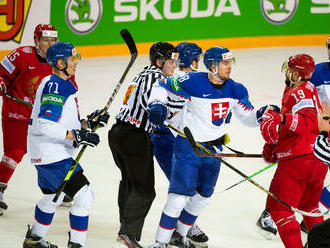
[(269, 154), (268, 126)]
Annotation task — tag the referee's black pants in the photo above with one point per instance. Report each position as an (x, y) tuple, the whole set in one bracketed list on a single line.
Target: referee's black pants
[(319, 235), (132, 151)]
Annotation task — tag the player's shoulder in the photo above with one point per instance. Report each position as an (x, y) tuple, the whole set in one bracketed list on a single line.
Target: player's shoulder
[(197, 75), (26, 50), (238, 89), (307, 87), (322, 66), (55, 85), (193, 78)]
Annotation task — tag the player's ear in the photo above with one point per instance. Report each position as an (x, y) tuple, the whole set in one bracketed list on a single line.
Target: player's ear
[(212, 67), (160, 63), (60, 64)]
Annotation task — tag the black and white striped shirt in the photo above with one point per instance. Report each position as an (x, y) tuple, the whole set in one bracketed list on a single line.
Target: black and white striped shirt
[(322, 148), (134, 108)]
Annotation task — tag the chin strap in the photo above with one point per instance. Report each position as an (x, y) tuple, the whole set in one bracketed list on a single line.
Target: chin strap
[(193, 68), (40, 52), (64, 69), (215, 74), (290, 82)]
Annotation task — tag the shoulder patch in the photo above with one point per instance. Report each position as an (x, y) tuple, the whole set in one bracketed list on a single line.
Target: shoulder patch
[(52, 99), (175, 84), (310, 86), (26, 50)]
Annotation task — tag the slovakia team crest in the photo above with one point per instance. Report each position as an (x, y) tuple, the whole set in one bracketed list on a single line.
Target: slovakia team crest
[(219, 112)]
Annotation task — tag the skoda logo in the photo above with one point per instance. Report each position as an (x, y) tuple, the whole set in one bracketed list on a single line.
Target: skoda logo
[(278, 12), (82, 17)]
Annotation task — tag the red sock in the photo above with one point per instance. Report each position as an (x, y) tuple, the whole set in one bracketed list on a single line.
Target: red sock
[(6, 171), (311, 221), (288, 228)]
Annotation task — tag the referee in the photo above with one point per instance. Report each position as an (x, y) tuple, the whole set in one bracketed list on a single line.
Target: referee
[(131, 146), (319, 234)]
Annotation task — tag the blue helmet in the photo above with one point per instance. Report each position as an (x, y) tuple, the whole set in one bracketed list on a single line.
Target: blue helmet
[(215, 55), (187, 53), (60, 50)]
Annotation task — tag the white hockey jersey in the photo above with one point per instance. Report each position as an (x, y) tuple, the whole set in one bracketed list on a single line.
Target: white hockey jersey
[(55, 111), (207, 106)]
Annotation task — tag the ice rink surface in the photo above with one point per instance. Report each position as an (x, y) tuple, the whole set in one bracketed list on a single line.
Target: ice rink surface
[(230, 218)]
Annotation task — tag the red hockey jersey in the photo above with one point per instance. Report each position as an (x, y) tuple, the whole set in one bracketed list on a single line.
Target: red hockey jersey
[(22, 71), (297, 134)]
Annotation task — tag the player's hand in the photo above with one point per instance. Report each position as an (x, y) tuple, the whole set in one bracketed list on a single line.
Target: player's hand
[(157, 113), (3, 86), (97, 118), (85, 137), (263, 110), (324, 117), (269, 154), (268, 126)]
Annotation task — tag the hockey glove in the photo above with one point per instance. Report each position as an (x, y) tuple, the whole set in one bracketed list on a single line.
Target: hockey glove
[(157, 113), (263, 110), (97, 118), (3, 86), (268, 126), (269, 153), (85, 137)]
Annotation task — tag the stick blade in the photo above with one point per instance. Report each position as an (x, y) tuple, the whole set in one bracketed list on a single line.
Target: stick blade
[(127, 37)]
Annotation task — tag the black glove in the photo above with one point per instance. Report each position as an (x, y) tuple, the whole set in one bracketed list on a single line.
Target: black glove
[(97, 118), (85, 137), (157, 113)]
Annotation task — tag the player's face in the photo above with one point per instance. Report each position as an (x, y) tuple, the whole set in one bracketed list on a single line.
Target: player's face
[(44, 43), (169, 67), (224, 69), (71, 65)]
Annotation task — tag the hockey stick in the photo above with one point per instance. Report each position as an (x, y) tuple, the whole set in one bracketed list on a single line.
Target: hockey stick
[(16, 99), (208, 154), (243, 180), (133, 51), (195, 147)]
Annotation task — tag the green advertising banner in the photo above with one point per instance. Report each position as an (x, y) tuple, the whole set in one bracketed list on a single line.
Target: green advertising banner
[(96, 22)]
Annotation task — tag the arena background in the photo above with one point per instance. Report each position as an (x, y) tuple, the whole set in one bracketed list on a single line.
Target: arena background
[(260, 37), (94, 25)]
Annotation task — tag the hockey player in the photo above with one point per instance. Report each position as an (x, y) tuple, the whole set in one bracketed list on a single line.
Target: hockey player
[(20, 74), (55, 131), (211, 96), (131, 146), (163, 139), (299, 176), (320, 78)]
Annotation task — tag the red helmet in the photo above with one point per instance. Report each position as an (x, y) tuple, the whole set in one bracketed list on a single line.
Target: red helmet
[(45, 30), (303, 64)]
